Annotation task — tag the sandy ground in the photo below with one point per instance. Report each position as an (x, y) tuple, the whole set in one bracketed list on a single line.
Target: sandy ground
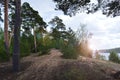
[(53, 67)]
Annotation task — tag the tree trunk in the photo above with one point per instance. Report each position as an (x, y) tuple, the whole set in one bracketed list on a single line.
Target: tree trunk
[(16, 48), (10, 39), (6, 40), (35, 45)]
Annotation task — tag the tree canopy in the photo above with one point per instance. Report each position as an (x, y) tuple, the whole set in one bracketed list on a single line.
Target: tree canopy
[(1, 11), (71, 7), (31, 22), (58, 27), (113, 8)]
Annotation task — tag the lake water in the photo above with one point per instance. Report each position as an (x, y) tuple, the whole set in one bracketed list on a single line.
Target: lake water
[(107, 55)]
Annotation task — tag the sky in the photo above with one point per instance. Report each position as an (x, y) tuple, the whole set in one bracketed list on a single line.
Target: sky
[(106, 30)]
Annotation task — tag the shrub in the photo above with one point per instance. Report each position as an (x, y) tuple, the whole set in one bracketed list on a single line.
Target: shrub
[(69, 52), (26, 46), (44, 49), (3, 55), (44, 45), (114, 57)]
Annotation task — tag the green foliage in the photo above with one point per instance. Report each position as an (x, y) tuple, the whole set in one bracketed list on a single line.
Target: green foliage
[(114, 57), (47, 43), (69, 52), (44, 49), (58, 28), (26, 46), (32, 21), (63, 39), (57, 44), (3, 55), (44, 45), (67, 47)]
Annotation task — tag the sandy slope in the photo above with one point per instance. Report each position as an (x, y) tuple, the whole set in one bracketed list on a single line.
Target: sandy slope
[(53, 67)]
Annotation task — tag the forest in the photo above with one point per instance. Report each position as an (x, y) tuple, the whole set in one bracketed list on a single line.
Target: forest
[(32, 48)]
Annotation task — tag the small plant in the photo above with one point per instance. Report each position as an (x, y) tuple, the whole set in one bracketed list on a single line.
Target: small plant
[(114, 57)]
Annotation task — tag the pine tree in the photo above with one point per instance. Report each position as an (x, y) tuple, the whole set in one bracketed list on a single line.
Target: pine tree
[(16, 49)]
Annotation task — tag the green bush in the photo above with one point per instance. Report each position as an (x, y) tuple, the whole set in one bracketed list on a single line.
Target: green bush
[(44, 49), (48, 44), (3, 55), (114, 57), (44, 45), (26, 46), (69, 52)]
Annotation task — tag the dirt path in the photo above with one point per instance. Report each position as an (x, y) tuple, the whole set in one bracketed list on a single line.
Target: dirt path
[(30, 64), (42, 66)]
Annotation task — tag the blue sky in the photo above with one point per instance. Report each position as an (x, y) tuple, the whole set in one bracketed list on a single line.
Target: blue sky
[(106, 30)]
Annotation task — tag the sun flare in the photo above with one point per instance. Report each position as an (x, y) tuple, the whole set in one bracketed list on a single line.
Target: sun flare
[(92, 47)]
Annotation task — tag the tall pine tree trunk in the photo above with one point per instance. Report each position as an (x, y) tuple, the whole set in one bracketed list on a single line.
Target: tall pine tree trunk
[(6, 39), (16, 48)]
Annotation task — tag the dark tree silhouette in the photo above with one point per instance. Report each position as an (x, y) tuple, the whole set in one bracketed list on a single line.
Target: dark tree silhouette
[(71, 7), (16, 49), (32, 21), (113, 8), (58, 27)]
